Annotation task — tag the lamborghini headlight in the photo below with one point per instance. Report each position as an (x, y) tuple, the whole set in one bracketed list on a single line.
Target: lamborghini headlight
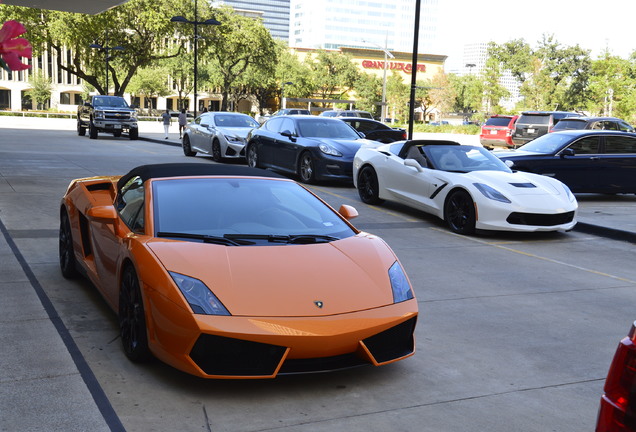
[(491, 193), (399, 284), (199, 296), (327, 149)]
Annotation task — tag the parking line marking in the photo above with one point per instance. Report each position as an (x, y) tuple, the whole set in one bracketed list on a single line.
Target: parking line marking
[(531, 255)]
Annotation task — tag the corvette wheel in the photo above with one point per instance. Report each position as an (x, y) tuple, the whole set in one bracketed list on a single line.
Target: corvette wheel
[(368, 188), (306, 168), (187, 150), (216, 151), (252, 156), (132, 320), (459, 212), (67, 255)]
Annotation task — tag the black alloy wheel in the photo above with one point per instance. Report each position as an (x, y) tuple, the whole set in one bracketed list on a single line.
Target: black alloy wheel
[(459, 212), (68, 264), (216, 151), (306, 169), (368, 187), (252, 156), (132, 320), (187, 150)]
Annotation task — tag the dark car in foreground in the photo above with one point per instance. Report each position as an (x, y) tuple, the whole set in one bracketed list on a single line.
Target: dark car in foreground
[(593, 123), (311, 147), (586, 161), (375, 130), (533, 124), (617, 412), (497, 131)]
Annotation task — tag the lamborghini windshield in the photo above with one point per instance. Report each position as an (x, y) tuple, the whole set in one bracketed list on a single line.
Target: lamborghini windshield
[(462, 158), (240, 211)]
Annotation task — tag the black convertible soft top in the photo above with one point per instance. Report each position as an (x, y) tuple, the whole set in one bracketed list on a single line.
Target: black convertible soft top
[(192, 169)]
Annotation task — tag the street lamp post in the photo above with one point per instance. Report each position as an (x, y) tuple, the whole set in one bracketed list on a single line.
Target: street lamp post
[(387, 54), (282, 94), (196, 23), (470, 67), (106, 49)]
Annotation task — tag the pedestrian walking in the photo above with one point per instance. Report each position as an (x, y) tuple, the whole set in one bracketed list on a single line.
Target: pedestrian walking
[(167, 120), (183, 121)]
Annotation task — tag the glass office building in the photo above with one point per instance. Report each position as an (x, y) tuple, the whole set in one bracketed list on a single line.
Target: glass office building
[(275, 13)]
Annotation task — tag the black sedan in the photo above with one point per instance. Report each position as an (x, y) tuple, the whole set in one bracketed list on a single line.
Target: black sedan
[(313, 148), (585, 160), (375, 130)]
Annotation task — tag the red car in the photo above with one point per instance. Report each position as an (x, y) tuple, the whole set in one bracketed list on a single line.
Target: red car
[(618, 405), (497, 131)]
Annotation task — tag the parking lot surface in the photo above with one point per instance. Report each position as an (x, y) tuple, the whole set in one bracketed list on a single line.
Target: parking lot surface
[(516, 331)]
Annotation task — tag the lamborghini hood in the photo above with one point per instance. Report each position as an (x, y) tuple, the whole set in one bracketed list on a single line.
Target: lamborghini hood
[(287, 280)]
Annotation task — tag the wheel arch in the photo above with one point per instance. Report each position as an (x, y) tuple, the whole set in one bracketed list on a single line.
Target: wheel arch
[(451, 192)]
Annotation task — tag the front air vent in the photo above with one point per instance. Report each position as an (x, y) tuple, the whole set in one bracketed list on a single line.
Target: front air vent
[(523, 185)]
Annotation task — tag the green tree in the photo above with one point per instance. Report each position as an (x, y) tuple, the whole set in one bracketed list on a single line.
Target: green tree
[(41, 88), (234, 46), (493, 91), (369, 93), (333, 74), (397, 96), (150, 82), (140, 26), (468, 91)]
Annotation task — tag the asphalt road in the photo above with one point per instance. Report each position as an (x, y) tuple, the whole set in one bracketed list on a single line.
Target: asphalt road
[(516, 331)]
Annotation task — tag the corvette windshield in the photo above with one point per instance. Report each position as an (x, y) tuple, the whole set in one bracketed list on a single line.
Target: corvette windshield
[(257, 211), (461, 158)]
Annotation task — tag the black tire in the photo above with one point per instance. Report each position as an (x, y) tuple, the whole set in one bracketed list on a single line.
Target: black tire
[(132, 320), (306, 168), (81, 130), (92, 130), (68, 264), (117, 133), (187, 150), (133, 133), (216, 151), (368, 188), (252, 156), (459, 212)]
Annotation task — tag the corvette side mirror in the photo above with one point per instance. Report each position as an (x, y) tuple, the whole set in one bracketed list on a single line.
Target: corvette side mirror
[(348, 212), (413, 164)]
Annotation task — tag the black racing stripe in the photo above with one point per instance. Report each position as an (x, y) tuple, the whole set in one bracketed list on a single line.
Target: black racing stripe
[(102, 402)]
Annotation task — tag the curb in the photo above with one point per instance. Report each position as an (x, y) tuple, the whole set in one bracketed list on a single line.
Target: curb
[(601, 231), (158, 141)]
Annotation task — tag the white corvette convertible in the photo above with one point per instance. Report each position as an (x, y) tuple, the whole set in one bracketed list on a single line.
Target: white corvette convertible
[(466, 186)]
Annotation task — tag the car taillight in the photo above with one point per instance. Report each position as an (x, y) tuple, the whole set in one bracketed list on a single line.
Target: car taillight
[(404, 135), (618, 408)]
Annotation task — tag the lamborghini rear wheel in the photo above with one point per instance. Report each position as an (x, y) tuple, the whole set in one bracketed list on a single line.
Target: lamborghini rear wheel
[(67, 254), (132, 320)]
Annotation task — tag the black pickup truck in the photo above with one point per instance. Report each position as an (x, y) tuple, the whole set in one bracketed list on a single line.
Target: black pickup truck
[(110, 114)]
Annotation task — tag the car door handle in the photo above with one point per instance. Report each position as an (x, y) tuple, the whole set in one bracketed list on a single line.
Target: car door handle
[(594, 158)]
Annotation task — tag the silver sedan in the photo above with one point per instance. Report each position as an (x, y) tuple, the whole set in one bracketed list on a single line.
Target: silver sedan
[(219, 134)]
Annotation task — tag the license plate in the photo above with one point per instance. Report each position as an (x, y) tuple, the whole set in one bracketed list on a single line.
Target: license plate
[(117, 126), (493, 132), (530, 130)]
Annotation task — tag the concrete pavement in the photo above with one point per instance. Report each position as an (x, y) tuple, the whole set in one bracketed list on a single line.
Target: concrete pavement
[(43, 379)]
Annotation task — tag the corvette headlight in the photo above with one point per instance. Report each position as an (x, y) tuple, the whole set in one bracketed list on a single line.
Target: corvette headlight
[(327, 149), (491, 193), (569, 193), (199, 296), (233, 139), (399, 284)]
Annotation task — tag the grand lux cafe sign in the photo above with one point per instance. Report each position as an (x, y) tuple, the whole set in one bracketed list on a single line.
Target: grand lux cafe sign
[(399, 66)]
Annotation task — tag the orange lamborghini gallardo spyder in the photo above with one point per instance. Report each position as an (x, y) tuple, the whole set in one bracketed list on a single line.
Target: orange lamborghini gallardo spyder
[(233, 272)]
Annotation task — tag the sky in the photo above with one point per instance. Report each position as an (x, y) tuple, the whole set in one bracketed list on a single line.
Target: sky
[(592, 25)]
